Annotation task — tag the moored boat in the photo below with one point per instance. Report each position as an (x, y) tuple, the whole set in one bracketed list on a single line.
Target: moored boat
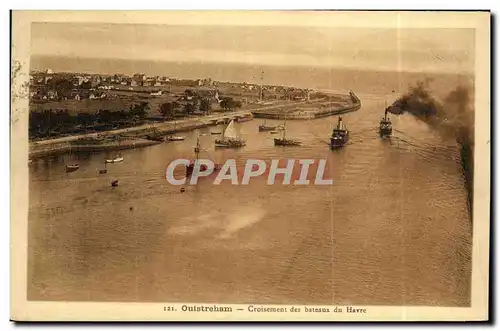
[(241, 119), (263, 127), (72, 167), (340, 135), (191, 164), (230, 138), (284, 141), (155, 135), (105, 170), (175, 138), (230, 143), (115, 160), (155, 138)]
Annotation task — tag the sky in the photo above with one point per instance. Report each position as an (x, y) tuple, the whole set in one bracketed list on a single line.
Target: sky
[(413, 50)]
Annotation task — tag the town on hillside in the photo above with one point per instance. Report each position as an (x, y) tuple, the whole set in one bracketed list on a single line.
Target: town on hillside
[(64, 103)]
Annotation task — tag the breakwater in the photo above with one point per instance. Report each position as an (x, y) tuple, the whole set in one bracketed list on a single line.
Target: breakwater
[(38, 151), (107, 140), (355, 104)]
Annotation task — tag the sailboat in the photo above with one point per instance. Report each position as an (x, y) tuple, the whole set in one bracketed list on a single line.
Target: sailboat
[(283, 141), (230, 138), (72, 167), (105, 170), (190, 166), (175, 138), (385, 128), (340, 135), (264, 127), (203, 167), (156, 135)]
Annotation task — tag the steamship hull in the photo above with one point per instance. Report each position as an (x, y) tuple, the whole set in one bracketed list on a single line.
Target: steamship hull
[(385, 132), (339, 141)]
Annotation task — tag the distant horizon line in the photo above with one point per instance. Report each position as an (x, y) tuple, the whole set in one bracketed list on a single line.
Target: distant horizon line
[(346, 68)]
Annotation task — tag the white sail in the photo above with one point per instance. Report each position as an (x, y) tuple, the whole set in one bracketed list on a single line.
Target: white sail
[(230, 131)]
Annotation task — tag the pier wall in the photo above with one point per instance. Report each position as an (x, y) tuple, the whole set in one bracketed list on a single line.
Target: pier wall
[(63, 148), (311, 114), (65, 144)]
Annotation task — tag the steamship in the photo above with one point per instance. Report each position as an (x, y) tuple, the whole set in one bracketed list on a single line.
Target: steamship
[(340, 135), (385, 128)]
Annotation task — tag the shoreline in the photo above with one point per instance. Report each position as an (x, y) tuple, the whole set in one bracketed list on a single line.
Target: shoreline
[(64, 148), (135, 137)]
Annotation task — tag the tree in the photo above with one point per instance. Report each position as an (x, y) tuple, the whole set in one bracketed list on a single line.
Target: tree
[(229, 103), (86, 85), (189, 108), (62, 86), (84, 119), (205, 105), (167, 110), (140, 110), (176, 105), (226, 103)]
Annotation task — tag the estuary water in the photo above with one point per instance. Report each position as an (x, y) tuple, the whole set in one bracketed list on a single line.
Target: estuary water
[(393, 229)]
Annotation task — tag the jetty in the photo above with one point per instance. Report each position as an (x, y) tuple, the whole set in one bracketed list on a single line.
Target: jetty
[(37, 151), (312, 110), (129, 138)]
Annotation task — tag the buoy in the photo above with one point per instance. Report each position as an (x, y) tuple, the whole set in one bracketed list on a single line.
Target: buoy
[(131, 208), (183, 190)]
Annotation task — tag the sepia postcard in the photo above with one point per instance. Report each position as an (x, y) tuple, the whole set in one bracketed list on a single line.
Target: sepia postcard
[(250, 166)]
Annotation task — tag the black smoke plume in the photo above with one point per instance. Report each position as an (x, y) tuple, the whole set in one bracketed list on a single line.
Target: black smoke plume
[(452, 118)]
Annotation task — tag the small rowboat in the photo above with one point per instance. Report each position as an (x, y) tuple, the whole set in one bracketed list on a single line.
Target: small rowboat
[(175, 138), (72, 167), (115, 160)]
